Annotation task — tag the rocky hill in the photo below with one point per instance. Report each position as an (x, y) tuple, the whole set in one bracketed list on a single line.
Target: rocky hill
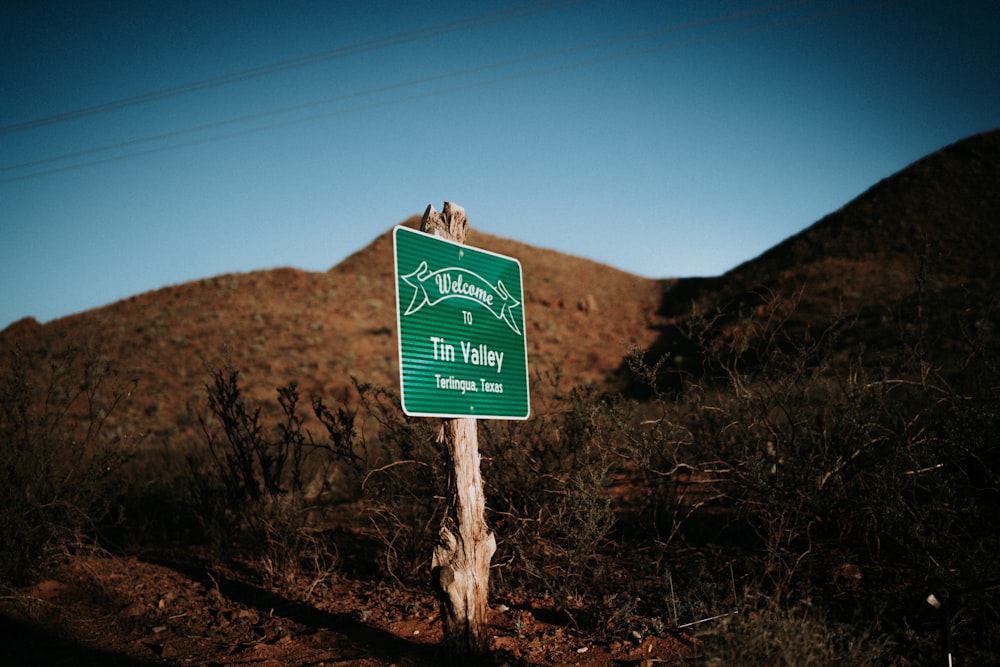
[(321, 329), (911, 262), (925, 239)]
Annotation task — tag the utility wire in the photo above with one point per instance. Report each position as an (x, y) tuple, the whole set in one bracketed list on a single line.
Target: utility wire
[(404, 84), (283, 65), (444, 91)]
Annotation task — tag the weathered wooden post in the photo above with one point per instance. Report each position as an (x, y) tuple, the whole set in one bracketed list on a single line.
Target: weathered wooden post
[(463, 356), (461, 561)]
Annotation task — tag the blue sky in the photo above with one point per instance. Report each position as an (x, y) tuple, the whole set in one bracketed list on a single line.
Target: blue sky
[(149, 144)]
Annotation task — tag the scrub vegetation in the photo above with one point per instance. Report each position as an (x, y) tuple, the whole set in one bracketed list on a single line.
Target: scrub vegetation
[(795, 463)]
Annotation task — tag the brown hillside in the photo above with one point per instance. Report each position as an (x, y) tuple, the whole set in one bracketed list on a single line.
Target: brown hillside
[(320, 329), (926, 234), (918, 250), (942, 213)]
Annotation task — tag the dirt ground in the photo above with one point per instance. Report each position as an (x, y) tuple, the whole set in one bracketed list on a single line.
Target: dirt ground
[(96, 609)]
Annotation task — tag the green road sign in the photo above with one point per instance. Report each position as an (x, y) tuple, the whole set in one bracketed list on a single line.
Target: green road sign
[(460, 317)]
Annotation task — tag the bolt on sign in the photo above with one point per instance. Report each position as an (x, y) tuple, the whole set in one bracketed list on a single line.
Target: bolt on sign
[(460, 318)]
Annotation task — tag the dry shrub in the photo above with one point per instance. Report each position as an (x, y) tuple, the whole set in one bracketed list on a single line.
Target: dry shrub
[(403, 484), (859, 481), (548, 484), (61, 458), (251, 491), (796, 635), (267, 485)]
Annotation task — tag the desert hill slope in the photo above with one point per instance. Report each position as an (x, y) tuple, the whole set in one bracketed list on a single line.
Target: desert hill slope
[(940, 215), (916, 254), (320, 329), (924, 239)]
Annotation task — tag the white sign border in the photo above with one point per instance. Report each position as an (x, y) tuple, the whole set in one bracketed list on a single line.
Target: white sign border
[(399, 335)]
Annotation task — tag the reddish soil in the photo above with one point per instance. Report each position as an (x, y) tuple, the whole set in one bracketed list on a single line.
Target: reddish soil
[(100, 610)]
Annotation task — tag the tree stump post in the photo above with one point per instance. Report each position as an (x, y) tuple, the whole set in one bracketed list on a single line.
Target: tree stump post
[(461, 561)]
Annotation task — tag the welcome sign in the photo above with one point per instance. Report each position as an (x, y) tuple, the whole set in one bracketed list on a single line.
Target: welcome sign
[(460, 318)]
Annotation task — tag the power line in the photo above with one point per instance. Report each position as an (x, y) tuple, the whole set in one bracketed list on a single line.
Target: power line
[(433, 93), (397, 39), (396, 86)]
